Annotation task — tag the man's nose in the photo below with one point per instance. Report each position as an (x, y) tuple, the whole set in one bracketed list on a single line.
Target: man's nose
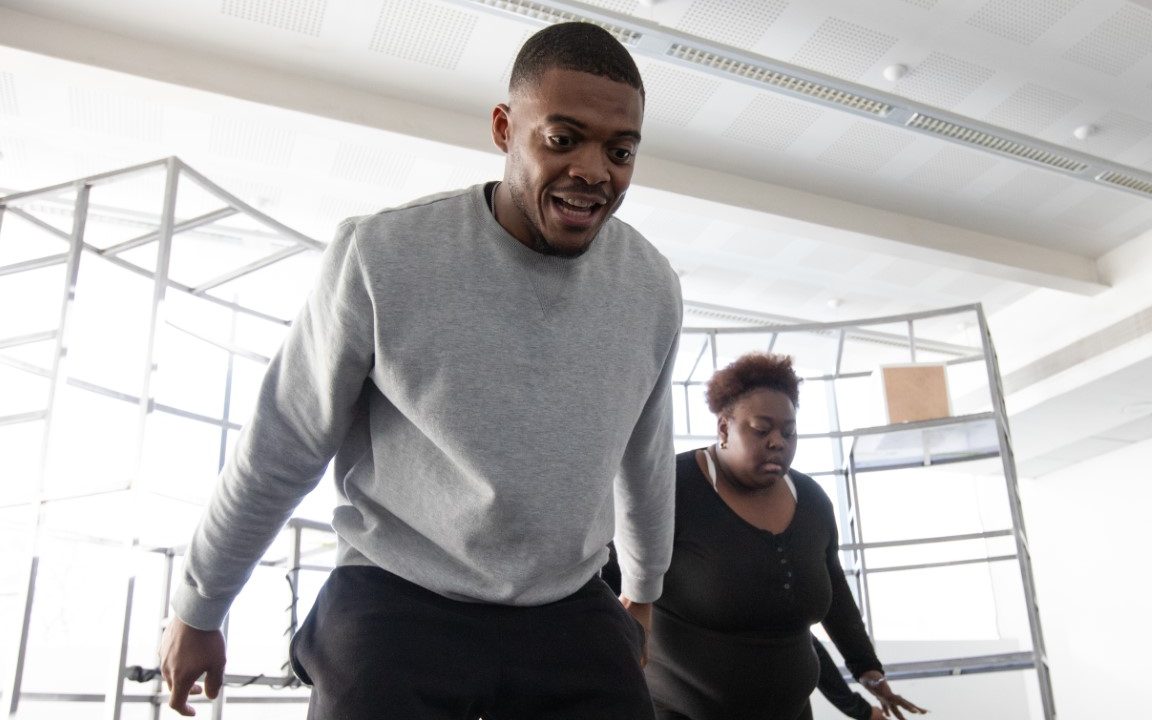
[(590, 165)]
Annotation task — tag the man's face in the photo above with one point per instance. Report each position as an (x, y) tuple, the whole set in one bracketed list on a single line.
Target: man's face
[(571, 140)]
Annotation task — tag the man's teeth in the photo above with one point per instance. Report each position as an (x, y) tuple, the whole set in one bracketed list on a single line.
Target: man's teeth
[(583, 204)]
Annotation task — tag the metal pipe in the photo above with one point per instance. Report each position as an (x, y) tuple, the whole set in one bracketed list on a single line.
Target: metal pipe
[(191, 224), (1017, 512), (59, 371), (34, 264), (248, 269)]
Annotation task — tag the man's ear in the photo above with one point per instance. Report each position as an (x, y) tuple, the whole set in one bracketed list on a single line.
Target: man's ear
[(500, 126)]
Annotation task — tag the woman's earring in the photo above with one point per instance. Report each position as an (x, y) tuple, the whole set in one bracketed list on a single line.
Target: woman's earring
[(724, 443)]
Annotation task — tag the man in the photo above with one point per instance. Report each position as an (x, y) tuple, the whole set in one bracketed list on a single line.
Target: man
[(481, 365)]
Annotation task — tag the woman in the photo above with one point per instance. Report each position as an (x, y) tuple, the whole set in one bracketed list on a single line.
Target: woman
[(754, 565)]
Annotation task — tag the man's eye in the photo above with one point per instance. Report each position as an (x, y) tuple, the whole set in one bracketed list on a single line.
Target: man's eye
[(562, 141), (622, 154)]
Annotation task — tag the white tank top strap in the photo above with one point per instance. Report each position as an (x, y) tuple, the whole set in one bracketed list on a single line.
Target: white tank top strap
[(711, 466)]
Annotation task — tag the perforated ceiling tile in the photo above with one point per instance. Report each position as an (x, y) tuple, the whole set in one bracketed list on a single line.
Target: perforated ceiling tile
[(126, 117), (512, 52), (337, 208), (260, 195), (8, 104), (1116, 133), (1032, 109), (1029, 190), (943, 81), (772, 122), (624, 7), (423, 32), (463, 176), (245, 139), (370, 165), (1018, 21), (866, 147), (843, 49), (951, 170), (675, 96), (83, 163), (1116, 44), (927, 4), (302, 16), (739, 23), (13, 158)]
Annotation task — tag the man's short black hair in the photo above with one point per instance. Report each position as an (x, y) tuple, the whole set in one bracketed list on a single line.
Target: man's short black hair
[(579, 46)]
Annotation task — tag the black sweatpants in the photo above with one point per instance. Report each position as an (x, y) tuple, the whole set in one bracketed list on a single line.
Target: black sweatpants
[(377, 647)]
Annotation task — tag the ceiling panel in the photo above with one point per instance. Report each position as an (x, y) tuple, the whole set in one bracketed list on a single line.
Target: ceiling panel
[(404, 29), (943, 81), (1021, 22), (301, 16), (1116, 45), (1032, 109), (739, 23), (95, 110), (252, 141), (866, 147), (843, 49), (8, 103), (772, 122), (673, 95), (624, 7)]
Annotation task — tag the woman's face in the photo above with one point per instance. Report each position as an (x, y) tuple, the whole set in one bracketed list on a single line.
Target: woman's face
[(761, 435)]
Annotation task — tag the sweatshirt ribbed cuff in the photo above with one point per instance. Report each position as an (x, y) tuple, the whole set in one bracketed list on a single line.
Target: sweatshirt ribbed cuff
[(641, 590), (197, 611)]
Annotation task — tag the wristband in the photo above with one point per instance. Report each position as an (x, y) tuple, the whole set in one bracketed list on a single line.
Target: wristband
[(873, 682)]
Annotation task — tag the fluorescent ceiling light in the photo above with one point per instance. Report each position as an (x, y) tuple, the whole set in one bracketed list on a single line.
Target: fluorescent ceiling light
[(767, 76), (995, 143), (550, 15), (1127, 182)]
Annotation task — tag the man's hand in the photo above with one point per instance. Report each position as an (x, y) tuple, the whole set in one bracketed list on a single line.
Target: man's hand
[(186, 653), (643, 614)]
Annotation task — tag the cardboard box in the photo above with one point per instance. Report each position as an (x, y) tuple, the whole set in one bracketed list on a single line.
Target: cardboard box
[(917, 391)]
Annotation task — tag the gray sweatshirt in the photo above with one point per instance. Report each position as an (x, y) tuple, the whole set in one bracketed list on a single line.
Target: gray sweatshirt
[(492, 414)]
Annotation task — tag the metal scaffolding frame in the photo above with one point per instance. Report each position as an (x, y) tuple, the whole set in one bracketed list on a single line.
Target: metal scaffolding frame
[(163, 229), (167, 226)]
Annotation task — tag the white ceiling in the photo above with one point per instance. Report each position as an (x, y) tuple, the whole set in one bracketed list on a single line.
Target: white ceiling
[(313, 110)]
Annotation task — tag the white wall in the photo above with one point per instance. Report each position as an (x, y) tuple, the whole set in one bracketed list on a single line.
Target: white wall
[(1088, 526)]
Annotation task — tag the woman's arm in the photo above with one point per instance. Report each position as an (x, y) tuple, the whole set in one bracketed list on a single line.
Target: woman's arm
[(833, 687)]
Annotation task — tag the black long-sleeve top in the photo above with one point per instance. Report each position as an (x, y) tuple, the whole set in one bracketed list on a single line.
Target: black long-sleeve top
[(729, 576)]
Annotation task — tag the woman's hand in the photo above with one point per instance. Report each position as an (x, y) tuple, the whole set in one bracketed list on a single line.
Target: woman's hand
[(890, 702)]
